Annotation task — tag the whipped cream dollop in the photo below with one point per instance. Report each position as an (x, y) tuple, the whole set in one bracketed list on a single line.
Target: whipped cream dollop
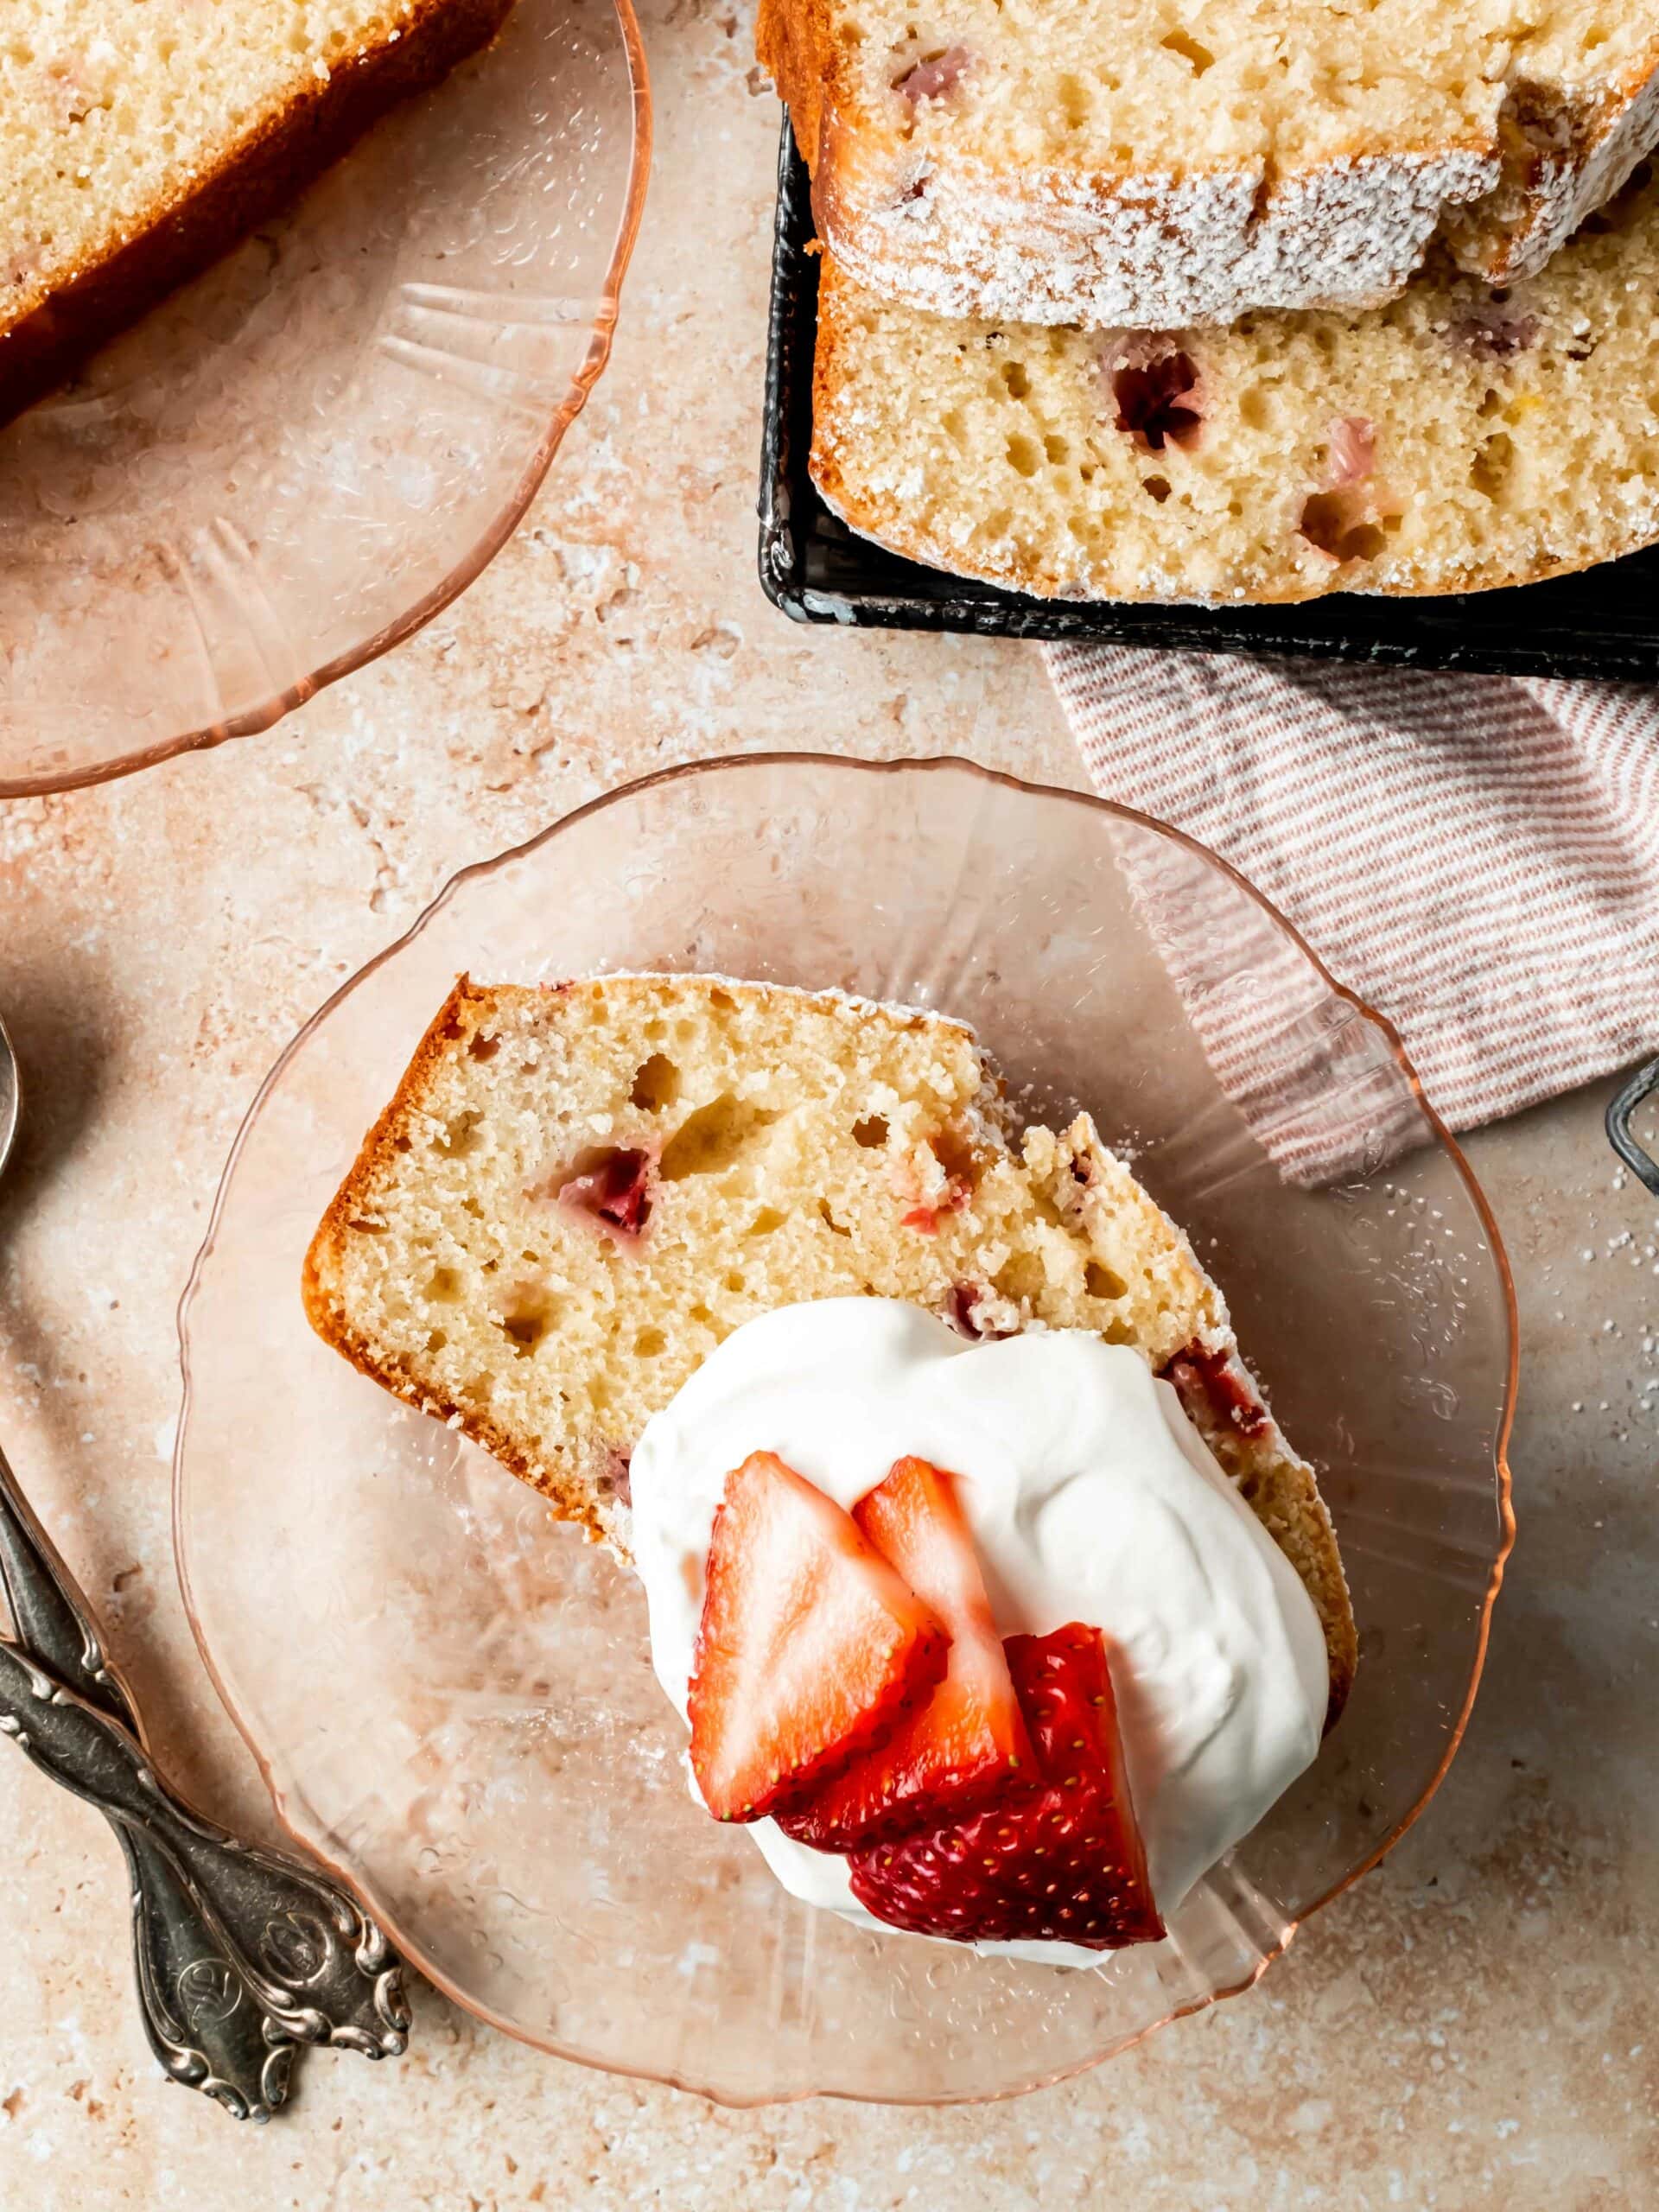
[(1091, 1498)]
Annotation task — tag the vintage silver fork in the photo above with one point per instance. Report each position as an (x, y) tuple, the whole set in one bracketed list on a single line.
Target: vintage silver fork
[(243, 1955)]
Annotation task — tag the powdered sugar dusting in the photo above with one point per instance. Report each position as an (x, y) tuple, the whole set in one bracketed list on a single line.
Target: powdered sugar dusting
[(965, 200), (1157, 250)]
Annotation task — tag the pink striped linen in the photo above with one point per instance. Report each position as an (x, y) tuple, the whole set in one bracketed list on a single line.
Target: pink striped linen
[(1476, 857)]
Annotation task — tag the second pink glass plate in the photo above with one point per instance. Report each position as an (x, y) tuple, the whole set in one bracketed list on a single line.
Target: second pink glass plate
[(296, 461), (451, 1698)]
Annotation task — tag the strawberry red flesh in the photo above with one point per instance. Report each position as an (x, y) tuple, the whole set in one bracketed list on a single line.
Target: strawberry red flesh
[(810, 1651), (970, 1736), (1056, 1860)]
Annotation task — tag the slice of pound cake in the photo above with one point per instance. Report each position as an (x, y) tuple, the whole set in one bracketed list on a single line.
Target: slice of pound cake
[(1457, 439), (141, 138), (578, 1191), (1105, 161)]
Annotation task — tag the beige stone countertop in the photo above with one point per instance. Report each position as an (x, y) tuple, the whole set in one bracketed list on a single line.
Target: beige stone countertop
[(1474, 2024)]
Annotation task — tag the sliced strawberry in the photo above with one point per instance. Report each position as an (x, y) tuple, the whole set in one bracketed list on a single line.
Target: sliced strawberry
[(810, 1649), (1060, 1859), (970, 1736)]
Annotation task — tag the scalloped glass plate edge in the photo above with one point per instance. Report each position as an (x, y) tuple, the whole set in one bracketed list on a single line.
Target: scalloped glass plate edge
[(288, 1812)]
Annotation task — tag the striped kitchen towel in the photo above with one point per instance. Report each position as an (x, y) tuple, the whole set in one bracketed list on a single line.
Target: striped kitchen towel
[(1476, 857)]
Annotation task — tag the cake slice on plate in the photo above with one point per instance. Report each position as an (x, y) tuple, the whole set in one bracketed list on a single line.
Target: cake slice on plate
[(578, 1191), (139, 139)]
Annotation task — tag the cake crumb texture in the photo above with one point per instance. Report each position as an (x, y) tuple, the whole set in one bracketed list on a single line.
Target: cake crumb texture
[(140, 138), (1460, 438), (578, 1191)]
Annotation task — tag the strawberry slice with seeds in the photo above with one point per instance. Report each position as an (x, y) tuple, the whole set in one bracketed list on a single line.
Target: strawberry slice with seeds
[(1059, 1860), (810, 1648), (970, 1736)]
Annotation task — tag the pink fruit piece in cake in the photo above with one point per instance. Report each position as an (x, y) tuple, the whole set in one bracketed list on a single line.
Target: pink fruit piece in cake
[(964, 1742), (612, 1188), (1059, 1858), (1494, 335), (968, 1309), (1344, 521), (936, 76), (810, 1649), (1353, 449), (1153, 385), (935, 1179), (926, 1217)]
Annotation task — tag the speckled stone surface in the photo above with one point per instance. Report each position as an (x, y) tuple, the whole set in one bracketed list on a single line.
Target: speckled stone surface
[(1475, 2024)]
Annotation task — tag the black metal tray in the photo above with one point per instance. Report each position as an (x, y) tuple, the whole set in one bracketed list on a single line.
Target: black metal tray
[(1602, 623)]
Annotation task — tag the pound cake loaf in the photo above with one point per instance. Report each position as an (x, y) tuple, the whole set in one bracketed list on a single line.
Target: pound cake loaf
[(141, 138), (1457, 439), (1127, 161), (577, 1192)]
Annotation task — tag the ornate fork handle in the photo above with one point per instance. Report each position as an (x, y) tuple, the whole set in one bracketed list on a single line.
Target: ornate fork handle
[(241, 1953)]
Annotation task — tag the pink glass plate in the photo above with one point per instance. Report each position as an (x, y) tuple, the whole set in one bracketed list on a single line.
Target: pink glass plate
[(451, 1698), (295, 462)]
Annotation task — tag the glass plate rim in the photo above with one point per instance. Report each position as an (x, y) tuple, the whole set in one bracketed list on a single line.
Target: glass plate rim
[(465, 572), (932, 763)]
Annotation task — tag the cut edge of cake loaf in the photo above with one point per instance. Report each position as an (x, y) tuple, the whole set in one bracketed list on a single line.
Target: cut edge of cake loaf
[(52, 319), (1455, 440), (577, 1191), (919, 208)]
